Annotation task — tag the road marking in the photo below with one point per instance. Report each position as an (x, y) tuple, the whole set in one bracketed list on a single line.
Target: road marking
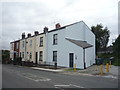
[(34, 77), (68, 86), (76, 86)]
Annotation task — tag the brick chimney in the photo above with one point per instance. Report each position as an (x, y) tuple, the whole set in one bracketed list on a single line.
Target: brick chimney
[(29, 35), (57, 26), (45, 30), (23, 35), (36, 32)]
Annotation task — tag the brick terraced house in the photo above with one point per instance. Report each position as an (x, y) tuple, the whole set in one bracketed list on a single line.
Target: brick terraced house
[(64, 45)]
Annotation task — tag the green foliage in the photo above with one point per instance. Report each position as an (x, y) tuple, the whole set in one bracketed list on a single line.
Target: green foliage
[(116, 48), (116, 51), (116, 62), (5, 55), (102, 36), (105, 55)]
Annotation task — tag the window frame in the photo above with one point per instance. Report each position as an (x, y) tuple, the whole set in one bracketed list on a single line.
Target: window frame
[(22, 54), (23, 44), (41, 41), (30, 42), (55, 39), (41, 56)]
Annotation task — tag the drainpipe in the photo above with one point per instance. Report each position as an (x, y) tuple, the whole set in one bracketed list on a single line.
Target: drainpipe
[(84, 58), (25, 49)]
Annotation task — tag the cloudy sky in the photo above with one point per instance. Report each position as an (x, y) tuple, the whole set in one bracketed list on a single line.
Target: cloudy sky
[(30, 15)]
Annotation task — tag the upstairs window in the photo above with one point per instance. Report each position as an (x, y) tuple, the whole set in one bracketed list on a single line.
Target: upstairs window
[(41, 56), (41, 41), (17, 45), (55, 56), (23, 44), (30, 42), (55, 39)]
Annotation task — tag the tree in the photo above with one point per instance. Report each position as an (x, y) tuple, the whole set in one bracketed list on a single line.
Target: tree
[(5, 55), (102, 36), (116, 48)]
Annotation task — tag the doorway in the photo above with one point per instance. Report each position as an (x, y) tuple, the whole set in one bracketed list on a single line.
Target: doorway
[(71, 59), (36, 58)]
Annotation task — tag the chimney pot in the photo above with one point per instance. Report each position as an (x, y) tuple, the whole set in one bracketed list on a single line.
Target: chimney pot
[(57, 25), (36, 32), (23, 35), (45, 29), (29, 34)]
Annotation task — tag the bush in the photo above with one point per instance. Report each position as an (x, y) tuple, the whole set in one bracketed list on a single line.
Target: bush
[(116, 62)]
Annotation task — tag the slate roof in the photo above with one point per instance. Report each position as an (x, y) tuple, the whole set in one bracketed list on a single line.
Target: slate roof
[(80, 43)]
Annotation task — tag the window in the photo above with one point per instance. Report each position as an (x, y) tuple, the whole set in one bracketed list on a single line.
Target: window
[(54, 55), (55, 39), (40, 55), (41, 41), (30, 42), (17, 45), (22, 54), (12, 46), (30, 55), (23, 44)]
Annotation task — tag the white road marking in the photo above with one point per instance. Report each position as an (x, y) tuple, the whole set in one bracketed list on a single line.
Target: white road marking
[(76, 86), (34, 77), (68, 86)]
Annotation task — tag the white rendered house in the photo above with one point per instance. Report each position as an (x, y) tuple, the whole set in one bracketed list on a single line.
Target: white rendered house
[(71, 44)]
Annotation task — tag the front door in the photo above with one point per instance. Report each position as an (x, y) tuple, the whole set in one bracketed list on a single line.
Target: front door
[(71, 59), (36, 57)]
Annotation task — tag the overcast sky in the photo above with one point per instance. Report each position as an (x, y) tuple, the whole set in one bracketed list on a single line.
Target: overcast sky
[(18, 17)]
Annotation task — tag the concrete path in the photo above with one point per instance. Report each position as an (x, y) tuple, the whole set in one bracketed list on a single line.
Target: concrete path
[(90, 71)]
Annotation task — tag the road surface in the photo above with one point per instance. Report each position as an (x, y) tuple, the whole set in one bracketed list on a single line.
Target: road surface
[(24, 77)]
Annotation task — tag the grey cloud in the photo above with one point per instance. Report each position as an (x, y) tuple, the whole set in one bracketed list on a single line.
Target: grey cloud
[(18, 17)]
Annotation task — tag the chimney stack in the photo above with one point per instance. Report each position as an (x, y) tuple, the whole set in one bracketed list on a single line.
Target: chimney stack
[(57, 26), (29, 35), (45, 29), (36, 32), (23, 35)]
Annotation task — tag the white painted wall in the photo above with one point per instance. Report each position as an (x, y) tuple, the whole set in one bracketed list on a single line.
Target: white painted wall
[(90, 52), (77, 32)]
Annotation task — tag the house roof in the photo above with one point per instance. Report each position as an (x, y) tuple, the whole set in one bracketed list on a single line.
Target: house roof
[(64, 27), (14, 41), (80, 43), (51, 31)]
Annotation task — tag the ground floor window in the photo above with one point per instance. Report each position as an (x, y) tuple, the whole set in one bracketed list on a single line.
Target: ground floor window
[(41, 56), (22, 54)]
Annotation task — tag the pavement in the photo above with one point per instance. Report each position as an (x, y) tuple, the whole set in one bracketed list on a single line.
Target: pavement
[(90, 71)]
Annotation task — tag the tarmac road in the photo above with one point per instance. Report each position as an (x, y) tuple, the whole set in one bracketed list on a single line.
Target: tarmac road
[(25, 77)]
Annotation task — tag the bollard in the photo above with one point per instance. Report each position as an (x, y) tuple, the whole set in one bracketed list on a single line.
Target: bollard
[(74, 67), (101, 69), (110, 64), (107, 67), (96, 68)]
